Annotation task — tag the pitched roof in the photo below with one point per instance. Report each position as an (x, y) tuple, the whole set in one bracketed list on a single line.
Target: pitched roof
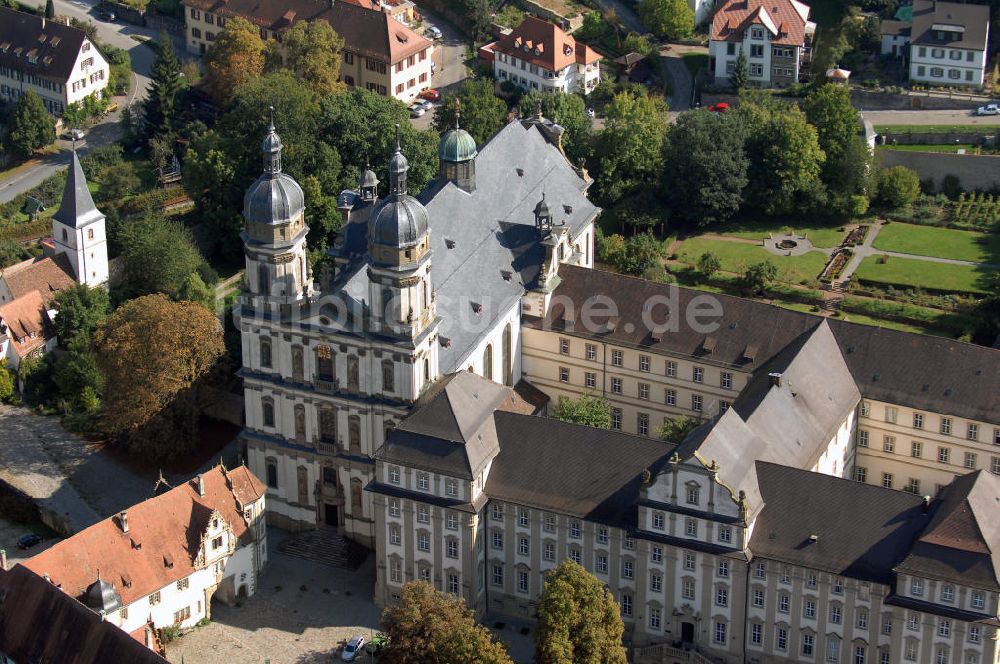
[(162, 541), (27, 323), (862, 531), (545, 44), (365, 31), (895, 28), (47, 275), (451, 428), (970, 20), (572, 469), (962, 540), (77, 209), (40, 623), (31, 44), (785, 20)]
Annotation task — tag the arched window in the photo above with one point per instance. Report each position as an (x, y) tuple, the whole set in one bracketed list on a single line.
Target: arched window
[(263, 280), (268, 413), (65, 235), (327, 425), (265, 353), (324, 363), (427, 371), (302, 271), (387, 304), (300, 423), (272, 472), (302, 475), (355, 496), (298, 364), (508, 367), (488, 362), (388, 376), (353, 376), (354, 434)]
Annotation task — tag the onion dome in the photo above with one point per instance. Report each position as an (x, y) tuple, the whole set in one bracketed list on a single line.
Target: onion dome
[(401, 221), (367, 179), (102, 596), (275, 197), (457, 145)]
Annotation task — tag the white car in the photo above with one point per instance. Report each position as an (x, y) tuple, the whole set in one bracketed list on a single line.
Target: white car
[(989, 109), (434, 32), (75, 134), (416, 110), (352, 648)]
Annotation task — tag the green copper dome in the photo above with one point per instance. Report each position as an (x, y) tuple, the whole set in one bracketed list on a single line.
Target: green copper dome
[(457, 145)]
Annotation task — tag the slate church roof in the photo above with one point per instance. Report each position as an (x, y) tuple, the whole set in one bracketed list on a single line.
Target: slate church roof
[(77, 209)]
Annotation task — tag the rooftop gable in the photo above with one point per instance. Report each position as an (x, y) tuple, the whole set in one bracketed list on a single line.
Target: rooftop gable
[(785, 20), (967, 25), (545, 44), (32, 44)]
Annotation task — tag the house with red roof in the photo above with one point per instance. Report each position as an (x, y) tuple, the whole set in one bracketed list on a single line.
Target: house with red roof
[(774, 35), (538, 55), (161, 562)]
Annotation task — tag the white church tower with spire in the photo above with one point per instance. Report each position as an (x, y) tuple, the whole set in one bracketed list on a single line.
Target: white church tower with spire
[(78, 229)]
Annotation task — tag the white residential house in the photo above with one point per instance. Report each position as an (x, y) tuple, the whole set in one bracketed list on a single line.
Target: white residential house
[(538, 55), (774, 36), (162, 561), (948, 44), (55, 61)]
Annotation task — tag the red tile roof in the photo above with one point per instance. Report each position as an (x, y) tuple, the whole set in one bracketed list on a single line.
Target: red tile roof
[(784, 19), (546, 45), (27, 323), (47, 276), (162, 540)]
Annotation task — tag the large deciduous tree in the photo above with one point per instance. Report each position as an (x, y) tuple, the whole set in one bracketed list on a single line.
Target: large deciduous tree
[(670, 19), (829, 109), (482, 112), (428, 627), (590, 410), (631, 145), (164, 89), (153, 408), (705, 168), (313, 51), (31, 127), (236, 57), (570, 112), (578, 620), (158, 256), (81, 310)]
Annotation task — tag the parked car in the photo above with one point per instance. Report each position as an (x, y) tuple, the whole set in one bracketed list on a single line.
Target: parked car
[(28, 541), (425, 104), (106, 15), (433, 32), (989, 109), (721, 107), (75, 134), (431, 94), (352, 648), (416, 110)]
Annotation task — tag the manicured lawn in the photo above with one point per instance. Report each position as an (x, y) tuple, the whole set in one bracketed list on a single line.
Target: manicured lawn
[(889, 324), (927, 148), (933, 129), (939, 242), (734, 256), (825, 236), (916, 273)]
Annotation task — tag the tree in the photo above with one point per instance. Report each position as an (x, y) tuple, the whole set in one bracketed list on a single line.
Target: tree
[(81, 309), (570, 112), (670, 19), (579, 621), (510, 16), (236, 57), (32, 127), (313, 51), (194, 289), (482, 112), (631, 145), (158, 256), (758, 276), (705, 168), (829, 109), (429, 627), (79, 380), (11, 252), (589, 410), (709, 264), (638, 44), (118, 181), (480, 15), (642, 252), (740, 77), (6, 381), (153, 409), (676, 429), (50, 9), (897, 187), (164, 88)]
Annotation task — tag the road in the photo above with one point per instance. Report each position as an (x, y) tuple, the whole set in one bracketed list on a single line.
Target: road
[(449, 60), (116, 34), (626, 14), (959, 117)]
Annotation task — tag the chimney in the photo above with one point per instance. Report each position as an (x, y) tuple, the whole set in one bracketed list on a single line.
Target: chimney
[(774, 379), (201, 485), (927, 504), (3, 559), (123, 520)]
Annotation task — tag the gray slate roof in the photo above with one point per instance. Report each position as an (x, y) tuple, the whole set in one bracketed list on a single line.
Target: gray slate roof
[(77, 208), (974, 18), (54, 56)]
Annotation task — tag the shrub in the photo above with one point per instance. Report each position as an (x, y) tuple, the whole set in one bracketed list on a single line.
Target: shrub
[(897, 186)]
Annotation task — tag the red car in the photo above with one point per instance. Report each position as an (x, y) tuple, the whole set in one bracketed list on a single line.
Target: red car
[(721, 107), (431, 94)]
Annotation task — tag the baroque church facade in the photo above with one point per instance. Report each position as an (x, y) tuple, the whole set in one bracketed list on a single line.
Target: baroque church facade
[(422, 286)]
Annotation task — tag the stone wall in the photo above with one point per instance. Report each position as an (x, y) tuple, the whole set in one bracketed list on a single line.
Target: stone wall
[(873, 100), (973, 171)]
